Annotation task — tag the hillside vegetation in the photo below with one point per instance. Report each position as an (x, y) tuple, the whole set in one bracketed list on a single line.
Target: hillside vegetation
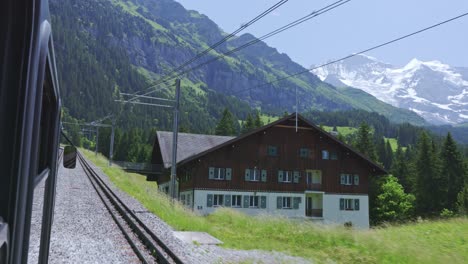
[(107, 47), (440, 241)]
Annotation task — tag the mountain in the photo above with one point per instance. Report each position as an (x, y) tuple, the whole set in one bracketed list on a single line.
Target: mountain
[(105, 47), (434, 90)]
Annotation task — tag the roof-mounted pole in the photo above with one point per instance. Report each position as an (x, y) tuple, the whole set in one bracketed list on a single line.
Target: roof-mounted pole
[(296, 109)]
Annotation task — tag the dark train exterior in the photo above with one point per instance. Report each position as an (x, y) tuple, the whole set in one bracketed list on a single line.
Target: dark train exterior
[(276, 169), (29, 127)]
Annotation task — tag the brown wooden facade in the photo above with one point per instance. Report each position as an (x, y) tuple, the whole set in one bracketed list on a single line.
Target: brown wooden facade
[(251, 151)]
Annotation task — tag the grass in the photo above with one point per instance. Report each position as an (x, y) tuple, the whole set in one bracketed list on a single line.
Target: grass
[(131, 8), (443, 241), (344, 130)]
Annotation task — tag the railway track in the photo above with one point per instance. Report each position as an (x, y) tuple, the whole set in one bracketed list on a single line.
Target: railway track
[(146, 245)]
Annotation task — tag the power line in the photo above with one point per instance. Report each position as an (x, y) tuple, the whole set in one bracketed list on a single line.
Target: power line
[(355, 54), (268, 35), (231, 35), (256, 40)]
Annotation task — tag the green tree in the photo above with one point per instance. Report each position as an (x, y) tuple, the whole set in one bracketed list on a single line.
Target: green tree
[(401, 169), (453, 170), (392, 203), (462, 201), (226, 124), (258, 120), (248, 125), (364, 143), (429, 198)]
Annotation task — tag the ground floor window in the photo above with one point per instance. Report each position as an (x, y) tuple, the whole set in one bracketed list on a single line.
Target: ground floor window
[(182, 199), (218, 200), (253, 201), (349, 204), (286, 202), (236, 201)]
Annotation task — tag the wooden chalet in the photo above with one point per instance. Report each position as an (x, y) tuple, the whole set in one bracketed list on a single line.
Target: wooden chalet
[(280, 168)]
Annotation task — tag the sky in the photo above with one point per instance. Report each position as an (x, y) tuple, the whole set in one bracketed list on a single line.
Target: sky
[(355, 26)]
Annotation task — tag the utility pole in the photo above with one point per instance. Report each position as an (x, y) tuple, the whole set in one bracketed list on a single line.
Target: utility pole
[(111, 147), (97, 140), (175, 131)]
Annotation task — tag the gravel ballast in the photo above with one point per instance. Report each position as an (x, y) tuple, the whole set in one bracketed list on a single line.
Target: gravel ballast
[(83, 231), (189, 252)]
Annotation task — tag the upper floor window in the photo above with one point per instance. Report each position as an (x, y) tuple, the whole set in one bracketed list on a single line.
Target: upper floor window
[(349, 179), (304, 152), (349, 204), (219, 173), (314, 177), (288, 176), (325, 154), (255, 175), (333, 155), (272, 151)]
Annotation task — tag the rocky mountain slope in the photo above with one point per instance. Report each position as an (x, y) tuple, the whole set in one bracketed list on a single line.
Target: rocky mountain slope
[(434, 90), (105, 47)]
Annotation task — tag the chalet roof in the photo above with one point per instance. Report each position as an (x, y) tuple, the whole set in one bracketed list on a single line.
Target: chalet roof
[(231, 140), (188, 145)]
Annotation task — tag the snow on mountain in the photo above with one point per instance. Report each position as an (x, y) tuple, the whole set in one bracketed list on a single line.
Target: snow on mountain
[(434, 90)]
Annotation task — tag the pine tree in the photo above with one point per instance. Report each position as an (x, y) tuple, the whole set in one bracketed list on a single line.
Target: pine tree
[(381, 151), (453, 171), (428, 198), (226, 124), (388, 155), (258, 121), (365, 144), (248, 124), (401, 170)]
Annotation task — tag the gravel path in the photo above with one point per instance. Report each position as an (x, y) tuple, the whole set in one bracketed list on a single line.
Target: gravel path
[(82, 231)]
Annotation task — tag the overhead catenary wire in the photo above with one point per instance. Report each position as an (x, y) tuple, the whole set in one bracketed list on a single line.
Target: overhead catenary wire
[(355, 54), (268, 35), (226, 38)]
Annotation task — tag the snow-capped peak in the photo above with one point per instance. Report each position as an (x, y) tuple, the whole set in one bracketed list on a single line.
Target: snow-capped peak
[(433, 89)]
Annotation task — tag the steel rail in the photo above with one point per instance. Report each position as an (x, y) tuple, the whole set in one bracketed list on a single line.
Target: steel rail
[(159, 250)]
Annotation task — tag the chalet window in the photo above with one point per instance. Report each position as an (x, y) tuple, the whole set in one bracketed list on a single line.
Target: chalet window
[(349, 179), (188, 199), (218, 200), (314, 177), (236, 201), (287, 202), (333, 156), (288, 176), (304, 152), (272, 151), (219, 173), (349, 204), (255, 175), (325, 154), (182, 199), (253, 202)]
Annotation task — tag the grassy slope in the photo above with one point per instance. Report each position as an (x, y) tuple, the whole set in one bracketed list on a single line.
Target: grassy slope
[(427, 242)]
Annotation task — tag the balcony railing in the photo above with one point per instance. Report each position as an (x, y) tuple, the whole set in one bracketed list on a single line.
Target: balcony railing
[(314, 212), (314, 186)]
